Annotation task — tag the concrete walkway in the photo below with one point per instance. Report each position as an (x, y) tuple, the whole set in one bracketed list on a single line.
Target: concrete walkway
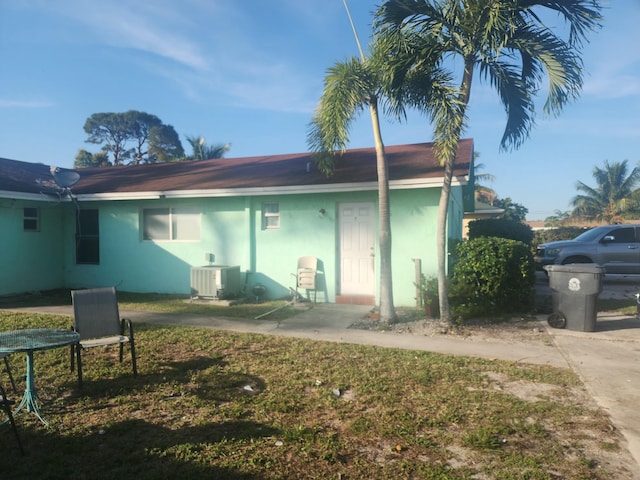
[(607, 360)]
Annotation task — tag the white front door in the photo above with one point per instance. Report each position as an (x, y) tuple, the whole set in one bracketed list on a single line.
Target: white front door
[(357, 249)]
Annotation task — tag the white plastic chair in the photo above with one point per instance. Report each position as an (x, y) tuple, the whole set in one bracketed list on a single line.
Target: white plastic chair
[(306, 275)]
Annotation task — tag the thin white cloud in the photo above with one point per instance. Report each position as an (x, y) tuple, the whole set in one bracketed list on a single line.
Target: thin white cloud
[(215, 43), (159, 29)]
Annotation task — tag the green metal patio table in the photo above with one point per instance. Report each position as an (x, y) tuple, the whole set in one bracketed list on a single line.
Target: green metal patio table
[(29, 341)]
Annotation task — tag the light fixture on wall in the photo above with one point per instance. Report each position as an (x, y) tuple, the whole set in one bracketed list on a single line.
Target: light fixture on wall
[(322, 212)]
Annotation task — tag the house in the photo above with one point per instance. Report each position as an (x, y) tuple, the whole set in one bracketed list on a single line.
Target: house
[(481, 211), (146, 228)]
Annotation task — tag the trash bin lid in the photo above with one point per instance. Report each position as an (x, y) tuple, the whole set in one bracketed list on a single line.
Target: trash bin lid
[(576, 268)]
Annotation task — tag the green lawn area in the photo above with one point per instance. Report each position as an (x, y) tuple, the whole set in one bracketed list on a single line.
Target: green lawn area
[(214, 404)]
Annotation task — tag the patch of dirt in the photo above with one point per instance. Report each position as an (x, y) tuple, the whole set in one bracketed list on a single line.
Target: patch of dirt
[(516, 329), (605, 447)]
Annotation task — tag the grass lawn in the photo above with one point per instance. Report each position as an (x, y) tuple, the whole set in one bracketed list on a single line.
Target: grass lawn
[(212, 404)]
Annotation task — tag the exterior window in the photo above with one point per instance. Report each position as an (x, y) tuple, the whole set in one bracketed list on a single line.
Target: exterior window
[(270, 216), (87, 237), (623, 235), (31, 219), (171, 224)]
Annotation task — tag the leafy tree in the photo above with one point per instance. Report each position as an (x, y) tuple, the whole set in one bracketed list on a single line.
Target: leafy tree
[(164, 145), (85, 159), (153, 140), (204, 151), (509, 45), (614, 198), (140, 125), (112, 130), (512, 210)]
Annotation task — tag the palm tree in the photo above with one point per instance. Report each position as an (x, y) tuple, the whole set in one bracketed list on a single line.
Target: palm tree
[(614, 197), (483, 193), (558, 219), (350, 87), (203, 151), (508, 44)]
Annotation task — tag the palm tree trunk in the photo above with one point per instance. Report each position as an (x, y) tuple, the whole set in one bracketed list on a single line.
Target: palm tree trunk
[(445, 194), (387, 308), (441, 247)]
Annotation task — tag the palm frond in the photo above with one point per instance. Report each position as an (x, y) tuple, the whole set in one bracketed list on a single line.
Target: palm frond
[(348, 88)]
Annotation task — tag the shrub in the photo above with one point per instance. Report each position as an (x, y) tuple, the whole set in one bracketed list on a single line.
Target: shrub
[(559, 233), (500, 227), (492, 276), (429, 296)]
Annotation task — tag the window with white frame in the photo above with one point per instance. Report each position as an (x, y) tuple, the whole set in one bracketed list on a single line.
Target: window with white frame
[(31, 219), (270, 216), (171, 224)]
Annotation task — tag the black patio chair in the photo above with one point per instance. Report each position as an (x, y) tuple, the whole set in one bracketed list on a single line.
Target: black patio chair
[(7, 405), (7, 367), (97, 320)]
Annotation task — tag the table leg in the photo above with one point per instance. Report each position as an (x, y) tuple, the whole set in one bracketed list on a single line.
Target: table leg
[(30, 399)]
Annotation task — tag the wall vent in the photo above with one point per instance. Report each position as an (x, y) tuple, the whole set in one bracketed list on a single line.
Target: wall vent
[(215, 281)]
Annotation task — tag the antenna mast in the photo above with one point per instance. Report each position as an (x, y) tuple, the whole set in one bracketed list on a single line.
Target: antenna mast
[(353, 27)]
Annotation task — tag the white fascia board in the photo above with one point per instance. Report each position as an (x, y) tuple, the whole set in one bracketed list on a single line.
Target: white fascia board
[(254, 191), (39, 197)]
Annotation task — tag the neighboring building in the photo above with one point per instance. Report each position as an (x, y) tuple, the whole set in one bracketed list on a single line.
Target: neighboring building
[(142, 228), (481, 211)]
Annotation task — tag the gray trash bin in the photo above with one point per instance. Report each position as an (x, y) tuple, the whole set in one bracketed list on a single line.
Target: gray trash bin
[(574, 294)]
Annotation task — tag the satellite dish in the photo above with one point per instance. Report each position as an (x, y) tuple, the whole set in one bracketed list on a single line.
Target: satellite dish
[(64, 178)]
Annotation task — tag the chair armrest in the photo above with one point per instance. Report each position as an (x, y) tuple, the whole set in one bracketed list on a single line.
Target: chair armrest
[(126, 324)]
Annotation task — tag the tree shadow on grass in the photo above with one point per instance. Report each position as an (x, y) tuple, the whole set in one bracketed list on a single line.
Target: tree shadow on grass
[(133, 449), (158, 446), (203, 376)]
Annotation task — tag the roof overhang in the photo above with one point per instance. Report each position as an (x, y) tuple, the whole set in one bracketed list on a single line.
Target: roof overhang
[(257, 191)]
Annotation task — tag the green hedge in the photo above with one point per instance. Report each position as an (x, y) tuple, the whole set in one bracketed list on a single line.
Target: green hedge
[(559, 233), (500, 227), (493, 276)]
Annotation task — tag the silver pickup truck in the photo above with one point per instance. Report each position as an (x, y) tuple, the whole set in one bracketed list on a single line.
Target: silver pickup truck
[(615, 247)]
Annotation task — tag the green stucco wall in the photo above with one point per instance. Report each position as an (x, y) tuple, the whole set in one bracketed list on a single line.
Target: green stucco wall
[(30, 261), (231, 229)]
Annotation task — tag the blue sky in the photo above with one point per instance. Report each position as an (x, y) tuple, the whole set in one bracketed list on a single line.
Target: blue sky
[(251, 72)]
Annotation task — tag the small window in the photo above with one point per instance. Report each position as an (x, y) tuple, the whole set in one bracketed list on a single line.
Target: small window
[(270, 216), (88, 237), (171, 224), (31, 219)]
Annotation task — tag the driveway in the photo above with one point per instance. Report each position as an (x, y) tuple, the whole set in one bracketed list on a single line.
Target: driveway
[(608, 359)]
